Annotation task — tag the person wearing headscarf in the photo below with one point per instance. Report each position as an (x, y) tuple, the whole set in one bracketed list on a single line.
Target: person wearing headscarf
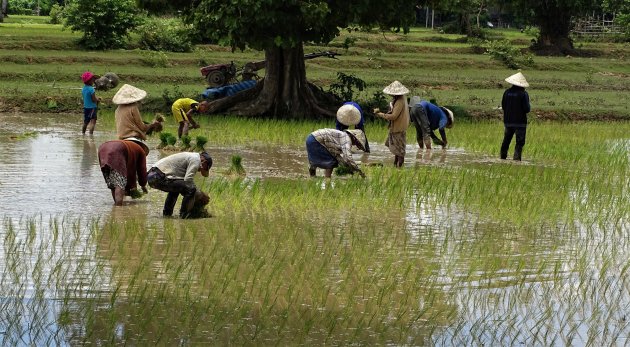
[(127, 116), (429, 117), (398, 117), (351, 114), (515, 104), (329, 148), (123, 162)]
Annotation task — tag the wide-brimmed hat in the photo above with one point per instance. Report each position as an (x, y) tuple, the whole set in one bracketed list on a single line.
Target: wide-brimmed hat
[(87, 76), (518, 80), (359, 135), (396, 88), (128, 94), (348, 115), (449, 115), (139, 142)]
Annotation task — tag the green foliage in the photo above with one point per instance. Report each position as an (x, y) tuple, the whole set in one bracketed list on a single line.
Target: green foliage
[(510, 56), (200, 142), (171, 140), (171, 35), (186, 139), (21, 7), (345, 86), (56, 14), (262, 24), (343, 170), (378, 100), (154, 59), (236, 167), (105, 23), (164, 136), (170, 96)]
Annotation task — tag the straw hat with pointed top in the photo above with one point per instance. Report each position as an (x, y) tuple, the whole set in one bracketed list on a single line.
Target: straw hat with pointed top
[(348, 115), (449, 115), (128, 94), (518, 79), (360, 136), (396, 88), (139, 142)]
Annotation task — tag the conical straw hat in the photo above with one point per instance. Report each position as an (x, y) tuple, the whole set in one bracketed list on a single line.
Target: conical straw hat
[(360, 136), (348, 115), (396, 88), (449, 115), (518, 80), (128, 94)]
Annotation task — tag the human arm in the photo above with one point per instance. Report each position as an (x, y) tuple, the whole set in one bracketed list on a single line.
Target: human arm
[(443, 135), (136, 120), (193, 166), (526, 105), (345, 157), (141, 171), (397, 110), (95, 99)]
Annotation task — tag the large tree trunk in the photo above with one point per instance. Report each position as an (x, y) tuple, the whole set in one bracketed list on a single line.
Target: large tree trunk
[(3, 10), (555, 26), (283, 93)]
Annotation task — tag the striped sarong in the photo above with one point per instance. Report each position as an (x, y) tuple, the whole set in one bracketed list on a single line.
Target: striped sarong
[(397, 143)]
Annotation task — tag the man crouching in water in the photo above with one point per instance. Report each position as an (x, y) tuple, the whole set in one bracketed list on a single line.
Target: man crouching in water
[(174, 175)]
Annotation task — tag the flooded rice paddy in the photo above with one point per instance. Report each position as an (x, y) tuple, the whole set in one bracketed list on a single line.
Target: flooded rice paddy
[(459, 248)]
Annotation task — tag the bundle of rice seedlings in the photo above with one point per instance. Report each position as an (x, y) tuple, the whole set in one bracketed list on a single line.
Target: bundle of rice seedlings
[(185, 142), (236, 168), (164, 139), (343, 170), (200, 142), (135, 194)]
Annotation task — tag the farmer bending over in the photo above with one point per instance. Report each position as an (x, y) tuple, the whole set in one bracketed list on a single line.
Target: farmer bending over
[(122, 163), (427, 118), (183, 110), (327, 148), (174, 175)]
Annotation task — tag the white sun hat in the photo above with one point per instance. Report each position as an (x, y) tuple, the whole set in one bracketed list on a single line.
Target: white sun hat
[(396, 88), (128, 94), (359, 135), (348, 115), (449, 115), (518, 79)]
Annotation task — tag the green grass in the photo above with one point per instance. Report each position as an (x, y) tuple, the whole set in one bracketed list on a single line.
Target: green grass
[(37, 55)]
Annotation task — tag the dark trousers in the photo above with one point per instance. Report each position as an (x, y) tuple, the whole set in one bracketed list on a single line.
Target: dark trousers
[(173, 187), (520, 141)]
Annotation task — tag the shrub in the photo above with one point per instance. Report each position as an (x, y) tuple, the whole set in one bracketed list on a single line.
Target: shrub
[(344, 87), (154, 59), (169, 35), (510, 56), (170, 97), (105, 23), (56, 14)]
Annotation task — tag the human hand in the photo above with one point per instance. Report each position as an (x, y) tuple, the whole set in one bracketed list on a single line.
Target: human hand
[(361, 174), (144, 190), (376, 110)]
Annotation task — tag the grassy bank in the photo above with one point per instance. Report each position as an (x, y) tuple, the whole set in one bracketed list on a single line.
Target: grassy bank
[(40, 62)]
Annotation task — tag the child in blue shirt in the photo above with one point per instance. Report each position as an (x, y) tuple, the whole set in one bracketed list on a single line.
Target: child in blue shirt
[(90, 102)]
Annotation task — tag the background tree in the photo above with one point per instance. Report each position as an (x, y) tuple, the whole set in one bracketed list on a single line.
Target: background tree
[(3, 9), (105, 23), (280, 28), (621, 9), (553, 18)]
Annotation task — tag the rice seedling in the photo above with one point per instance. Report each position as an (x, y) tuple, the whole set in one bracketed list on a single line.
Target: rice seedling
[(200, 142), (236, 166), (164, 139), (185, 145)]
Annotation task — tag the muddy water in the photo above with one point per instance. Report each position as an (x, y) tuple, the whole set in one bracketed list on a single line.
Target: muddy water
[(49, 168)]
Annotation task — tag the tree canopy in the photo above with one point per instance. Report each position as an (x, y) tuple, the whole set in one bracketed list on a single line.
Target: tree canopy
[(262, 24)]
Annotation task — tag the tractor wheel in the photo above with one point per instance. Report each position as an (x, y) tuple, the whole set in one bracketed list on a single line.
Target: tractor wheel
[(216, 79)]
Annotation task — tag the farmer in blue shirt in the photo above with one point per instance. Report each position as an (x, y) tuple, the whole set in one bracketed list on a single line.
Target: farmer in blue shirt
[(515, 104), (90, 102), (429, 117)]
